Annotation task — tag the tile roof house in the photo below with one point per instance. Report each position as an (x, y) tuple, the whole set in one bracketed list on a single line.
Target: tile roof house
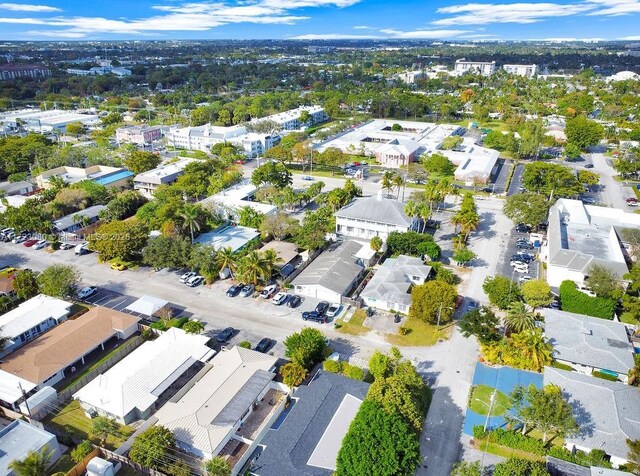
[(333, 274), (50, 357), (214, 409), (373, 216), (389, 289), (589, 343), (307, 441), (607, 412), (129, 390)]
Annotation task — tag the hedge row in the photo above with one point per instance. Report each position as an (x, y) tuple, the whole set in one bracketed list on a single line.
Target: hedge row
[(593, 458), (512, 439), (574, 300), (344, 368), (604, 376)]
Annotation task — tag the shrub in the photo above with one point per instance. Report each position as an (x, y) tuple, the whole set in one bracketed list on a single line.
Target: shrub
[(593, 458), (604, 376), (512, 439), (333, 366), (561, 366), (403, 330), (574, 300), (245, 344), (81, 451), (352, 371)]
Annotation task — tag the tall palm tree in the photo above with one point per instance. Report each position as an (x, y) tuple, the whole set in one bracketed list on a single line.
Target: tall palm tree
[(190, 216), (411, 208), (398, 182), (226, 258), (518, 317), (424, 212), (387, 181), (253, 267), (271, 258), (468, 222), (535, 349), (34, 464)]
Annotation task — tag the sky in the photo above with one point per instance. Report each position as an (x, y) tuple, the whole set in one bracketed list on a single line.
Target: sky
[(320, 19)]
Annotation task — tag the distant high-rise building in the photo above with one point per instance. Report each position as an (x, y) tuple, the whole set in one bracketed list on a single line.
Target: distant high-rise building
[(13, 71), (484, 68), (526, 70)]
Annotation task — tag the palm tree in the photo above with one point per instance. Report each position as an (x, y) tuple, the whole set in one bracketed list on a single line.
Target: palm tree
[(57, 183), (424, 212), (190, 215), (103, 427), (468, 222), (34, 464), (387, 181), (397, 182), (535, 349), (226, 258), (518, 317), (271, 258), (253, 267), (217, 466)]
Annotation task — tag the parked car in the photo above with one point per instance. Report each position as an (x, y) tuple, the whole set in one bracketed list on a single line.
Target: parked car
[(225, 334), (313, 316), (67, 246), (524, 279), (85, 292), (322, 307), (588, 166), (521, 269), (554, 304), (269, 291), (29, 243), (263, 345), (294, 301), (631, 200), (247, 290), (82, 248), (307, 177), (234, 290), (333, 310), (19, 239), (524, 246), (588, 200), (187, 276), (40, 244), (524, 256), (471, 305), (279, 298), (523, 228), (194, 281), (517, 263)]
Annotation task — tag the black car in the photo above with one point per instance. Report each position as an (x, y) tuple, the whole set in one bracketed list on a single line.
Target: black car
[(588, 166), (314, 316), (521, 245), (263, 345), (234, 290), (525, 258), (322, 307), (522, 228), (294, 301), (225, 334)]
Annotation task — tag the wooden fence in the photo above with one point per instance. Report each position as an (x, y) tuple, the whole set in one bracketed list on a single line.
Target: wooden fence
[(81, 468)]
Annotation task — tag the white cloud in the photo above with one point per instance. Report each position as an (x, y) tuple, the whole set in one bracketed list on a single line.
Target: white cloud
[(614, 7), (362, 27), (333, 36), (486, 13), (630, 38), (22, 7), (423, 34)]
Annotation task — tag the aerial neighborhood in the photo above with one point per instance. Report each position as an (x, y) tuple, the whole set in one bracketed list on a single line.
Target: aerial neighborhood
[(358, 257)]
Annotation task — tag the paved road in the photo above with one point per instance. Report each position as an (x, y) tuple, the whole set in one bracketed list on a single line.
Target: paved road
[(501, 180), (516, 180), (612, 193)]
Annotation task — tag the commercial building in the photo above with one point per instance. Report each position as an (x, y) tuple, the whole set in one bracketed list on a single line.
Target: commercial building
[(589, 343), (139, 135), (52, 121), (55, 354), (390, 287), (411, 77), (19, 438), (291, 120), (235, 237), (110, 177), (306, 442), (30, 319), (485, 68), (76, 221), (474, 163), (607, 413), (526, 70), (148, 181), (231, 200), (227, 407), (129, 390), (580, 236), (15, 71), (333, 274), (373, 216), (100, 70)]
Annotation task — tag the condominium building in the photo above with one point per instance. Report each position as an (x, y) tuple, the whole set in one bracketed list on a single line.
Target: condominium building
[(52, 121), (147, 182), (14, 71), (526, 70), (139, 135), (485, 68), (290, 120)]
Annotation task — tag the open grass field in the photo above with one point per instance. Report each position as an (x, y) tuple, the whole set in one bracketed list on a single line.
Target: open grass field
[(480, 401)]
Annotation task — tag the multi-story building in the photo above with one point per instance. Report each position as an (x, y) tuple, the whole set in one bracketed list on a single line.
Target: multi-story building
[(290, 120), (485, 68), (139, 135), (526, 70), (14, 71), (147, 182), (411, 77)]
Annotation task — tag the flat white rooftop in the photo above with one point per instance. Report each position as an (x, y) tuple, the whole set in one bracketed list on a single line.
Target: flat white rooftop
[(31, 313), (236, 197)]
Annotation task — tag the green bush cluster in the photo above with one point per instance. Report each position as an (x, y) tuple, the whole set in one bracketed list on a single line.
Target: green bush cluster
[(175, 322), (344, 368), (573, 300), (561, 366), (593, 458), (604, 376), (512, 439)]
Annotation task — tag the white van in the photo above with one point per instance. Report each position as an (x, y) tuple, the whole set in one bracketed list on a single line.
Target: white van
[(82, 248)]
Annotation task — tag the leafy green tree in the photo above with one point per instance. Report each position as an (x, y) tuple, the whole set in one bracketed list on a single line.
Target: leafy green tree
[(634, 455), (439, 164), (537, 293), (464, 256), (123, 205), (306, 347), (247, 216), (583, 132), (466, 468), (528, 207), (193, 327), (518, 317), (451, 142), (433, 301), (59, 280), (151, 447), (482, 323), (217, 466), (118, 239), (588, 177), (25, 284), (75, 129), (382, 365), (293, 374), (164, 252), (527, 350), (572, 151), (378, 444), (81, 451), (103, 427), (273, 173), (138, 161), (553, 180), (521, 467), (604, 282), (34, 464), (376, 243), (501, 291), (412, 243)]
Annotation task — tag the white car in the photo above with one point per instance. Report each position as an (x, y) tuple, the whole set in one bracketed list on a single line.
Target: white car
[(40, 244), (333, 310), (187, 276), (280, 298), (194, 281), (524, 279), (521, 269), (268, 291), (84, 293)]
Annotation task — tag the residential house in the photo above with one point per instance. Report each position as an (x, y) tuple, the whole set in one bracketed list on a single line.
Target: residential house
[(287, 255), (589, 343), (147, 182), (19, 438), (6, 287), (235, 237), (9, 189), (307, 441), (130, 390), (373, 216), (111, 177), (390, 287), (78, 220), (31, 319), (230, 201), (333, 274), (59, 352)]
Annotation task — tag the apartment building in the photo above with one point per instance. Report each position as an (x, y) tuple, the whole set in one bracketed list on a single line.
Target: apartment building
[(139, 135), (485, 68), (15, 71), (526, 70), (147, 182)]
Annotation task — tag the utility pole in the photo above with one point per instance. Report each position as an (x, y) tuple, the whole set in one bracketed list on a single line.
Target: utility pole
[(24, 395)]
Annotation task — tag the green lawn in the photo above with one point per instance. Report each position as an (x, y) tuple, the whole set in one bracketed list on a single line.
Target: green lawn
[(480, 400), (506, 452), (72, 419), (355, 325), (63, 465), (420, 334)]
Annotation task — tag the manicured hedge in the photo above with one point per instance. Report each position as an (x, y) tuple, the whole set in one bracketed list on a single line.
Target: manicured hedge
[(593, 458), (561, 366), (344, 368), (512, 439), (604, 376), (574, 300)]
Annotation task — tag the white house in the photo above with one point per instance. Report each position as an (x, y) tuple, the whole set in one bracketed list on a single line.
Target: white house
[(19, 438)]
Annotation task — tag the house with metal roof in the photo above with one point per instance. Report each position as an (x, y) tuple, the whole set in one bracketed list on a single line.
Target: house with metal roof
[(580, 236), (589, 343), (130, 389), (80, 219), (373, 216), (227, 406), (19, 438), (305, 441), (16, 188), (390, 287), (608, 413), (333, 274), (235, 237)]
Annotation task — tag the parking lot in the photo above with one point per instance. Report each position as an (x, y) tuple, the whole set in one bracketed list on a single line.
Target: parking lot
[(505, 269)]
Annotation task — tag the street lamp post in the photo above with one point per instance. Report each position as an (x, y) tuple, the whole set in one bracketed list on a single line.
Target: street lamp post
[(440, 313)]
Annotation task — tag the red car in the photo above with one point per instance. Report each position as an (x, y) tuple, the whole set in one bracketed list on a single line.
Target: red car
[(30, 243)]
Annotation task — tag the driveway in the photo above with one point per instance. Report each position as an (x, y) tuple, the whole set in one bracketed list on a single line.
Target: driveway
[(500, 182), (612, 192), (516, 180)]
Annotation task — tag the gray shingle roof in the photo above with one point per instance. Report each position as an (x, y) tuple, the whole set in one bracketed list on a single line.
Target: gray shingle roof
[(336, 268), (376, 209), (589, 341), (391, 282), (288, 449), (607, 412)]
